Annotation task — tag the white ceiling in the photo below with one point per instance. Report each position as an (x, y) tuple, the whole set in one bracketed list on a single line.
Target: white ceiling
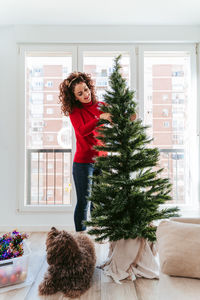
[(100, 12)]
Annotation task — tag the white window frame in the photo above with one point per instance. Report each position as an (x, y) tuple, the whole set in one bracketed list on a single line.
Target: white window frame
[(185, 210), (136, 83), (21, 151)]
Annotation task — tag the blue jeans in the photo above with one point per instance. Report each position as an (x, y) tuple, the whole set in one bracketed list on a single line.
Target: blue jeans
[(83, 185)]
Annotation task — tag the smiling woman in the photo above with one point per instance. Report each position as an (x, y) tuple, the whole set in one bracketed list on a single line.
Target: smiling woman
[(78, 101), (82, 93), (74, 89)]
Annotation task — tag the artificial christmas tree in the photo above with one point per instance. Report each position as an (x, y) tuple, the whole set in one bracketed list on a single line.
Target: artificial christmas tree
[(129, 189)]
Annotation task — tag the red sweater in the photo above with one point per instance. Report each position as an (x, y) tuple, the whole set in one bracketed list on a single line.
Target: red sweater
[(84, 121)]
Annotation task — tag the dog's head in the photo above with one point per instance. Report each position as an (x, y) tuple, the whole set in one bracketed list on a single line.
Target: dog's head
[(61, 247)]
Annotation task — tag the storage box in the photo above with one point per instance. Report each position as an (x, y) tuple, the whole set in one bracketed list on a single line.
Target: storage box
[(14, 270)]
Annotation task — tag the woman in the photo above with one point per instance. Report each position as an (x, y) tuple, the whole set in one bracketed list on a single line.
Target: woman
[(78, 101)]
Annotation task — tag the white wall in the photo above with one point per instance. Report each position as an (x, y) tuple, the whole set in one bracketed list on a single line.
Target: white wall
[(10, 218), (107, 34)]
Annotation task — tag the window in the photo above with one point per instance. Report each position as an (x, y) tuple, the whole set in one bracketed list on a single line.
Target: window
[(49, 97), (167, 78), (47, 162), (49, 84), (50, 111), (166, 124), (50, 138), (36, 83), (165, 97), (41, 141), (164, 78), (165, 112)]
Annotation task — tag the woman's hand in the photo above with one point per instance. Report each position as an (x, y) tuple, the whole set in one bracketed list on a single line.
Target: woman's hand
[(106, 116), (133, 117)]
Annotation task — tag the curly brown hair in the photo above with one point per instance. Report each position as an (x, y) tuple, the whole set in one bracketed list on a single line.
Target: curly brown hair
[(67, 97)]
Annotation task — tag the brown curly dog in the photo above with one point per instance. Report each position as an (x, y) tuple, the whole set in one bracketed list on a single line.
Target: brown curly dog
[(71, 260)]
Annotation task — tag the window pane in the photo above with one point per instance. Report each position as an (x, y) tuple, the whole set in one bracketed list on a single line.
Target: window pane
[(100, 65), (170, 111), (48, 132)]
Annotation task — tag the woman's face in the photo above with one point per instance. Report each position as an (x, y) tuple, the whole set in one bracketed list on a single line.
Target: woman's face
[(82, 92)]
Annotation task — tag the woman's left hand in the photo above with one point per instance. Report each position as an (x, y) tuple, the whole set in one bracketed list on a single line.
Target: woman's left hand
[(133, 117)]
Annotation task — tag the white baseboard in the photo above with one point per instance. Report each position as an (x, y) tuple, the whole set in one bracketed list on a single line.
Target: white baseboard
[(34, 228)]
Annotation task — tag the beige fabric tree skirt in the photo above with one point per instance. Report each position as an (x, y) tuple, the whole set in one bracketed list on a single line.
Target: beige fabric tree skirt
[(128, 259)]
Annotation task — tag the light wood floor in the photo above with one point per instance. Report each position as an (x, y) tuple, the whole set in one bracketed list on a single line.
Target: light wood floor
[(103, 287)]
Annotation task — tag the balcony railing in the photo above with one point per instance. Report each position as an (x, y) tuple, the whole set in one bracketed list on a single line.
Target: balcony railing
[(48, 177), (174, 159)]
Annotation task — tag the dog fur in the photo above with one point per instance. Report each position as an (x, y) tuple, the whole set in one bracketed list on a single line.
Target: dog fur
[(71, 260)]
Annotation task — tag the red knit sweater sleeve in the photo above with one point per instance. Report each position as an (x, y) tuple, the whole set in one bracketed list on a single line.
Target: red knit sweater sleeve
[(79, 126)]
